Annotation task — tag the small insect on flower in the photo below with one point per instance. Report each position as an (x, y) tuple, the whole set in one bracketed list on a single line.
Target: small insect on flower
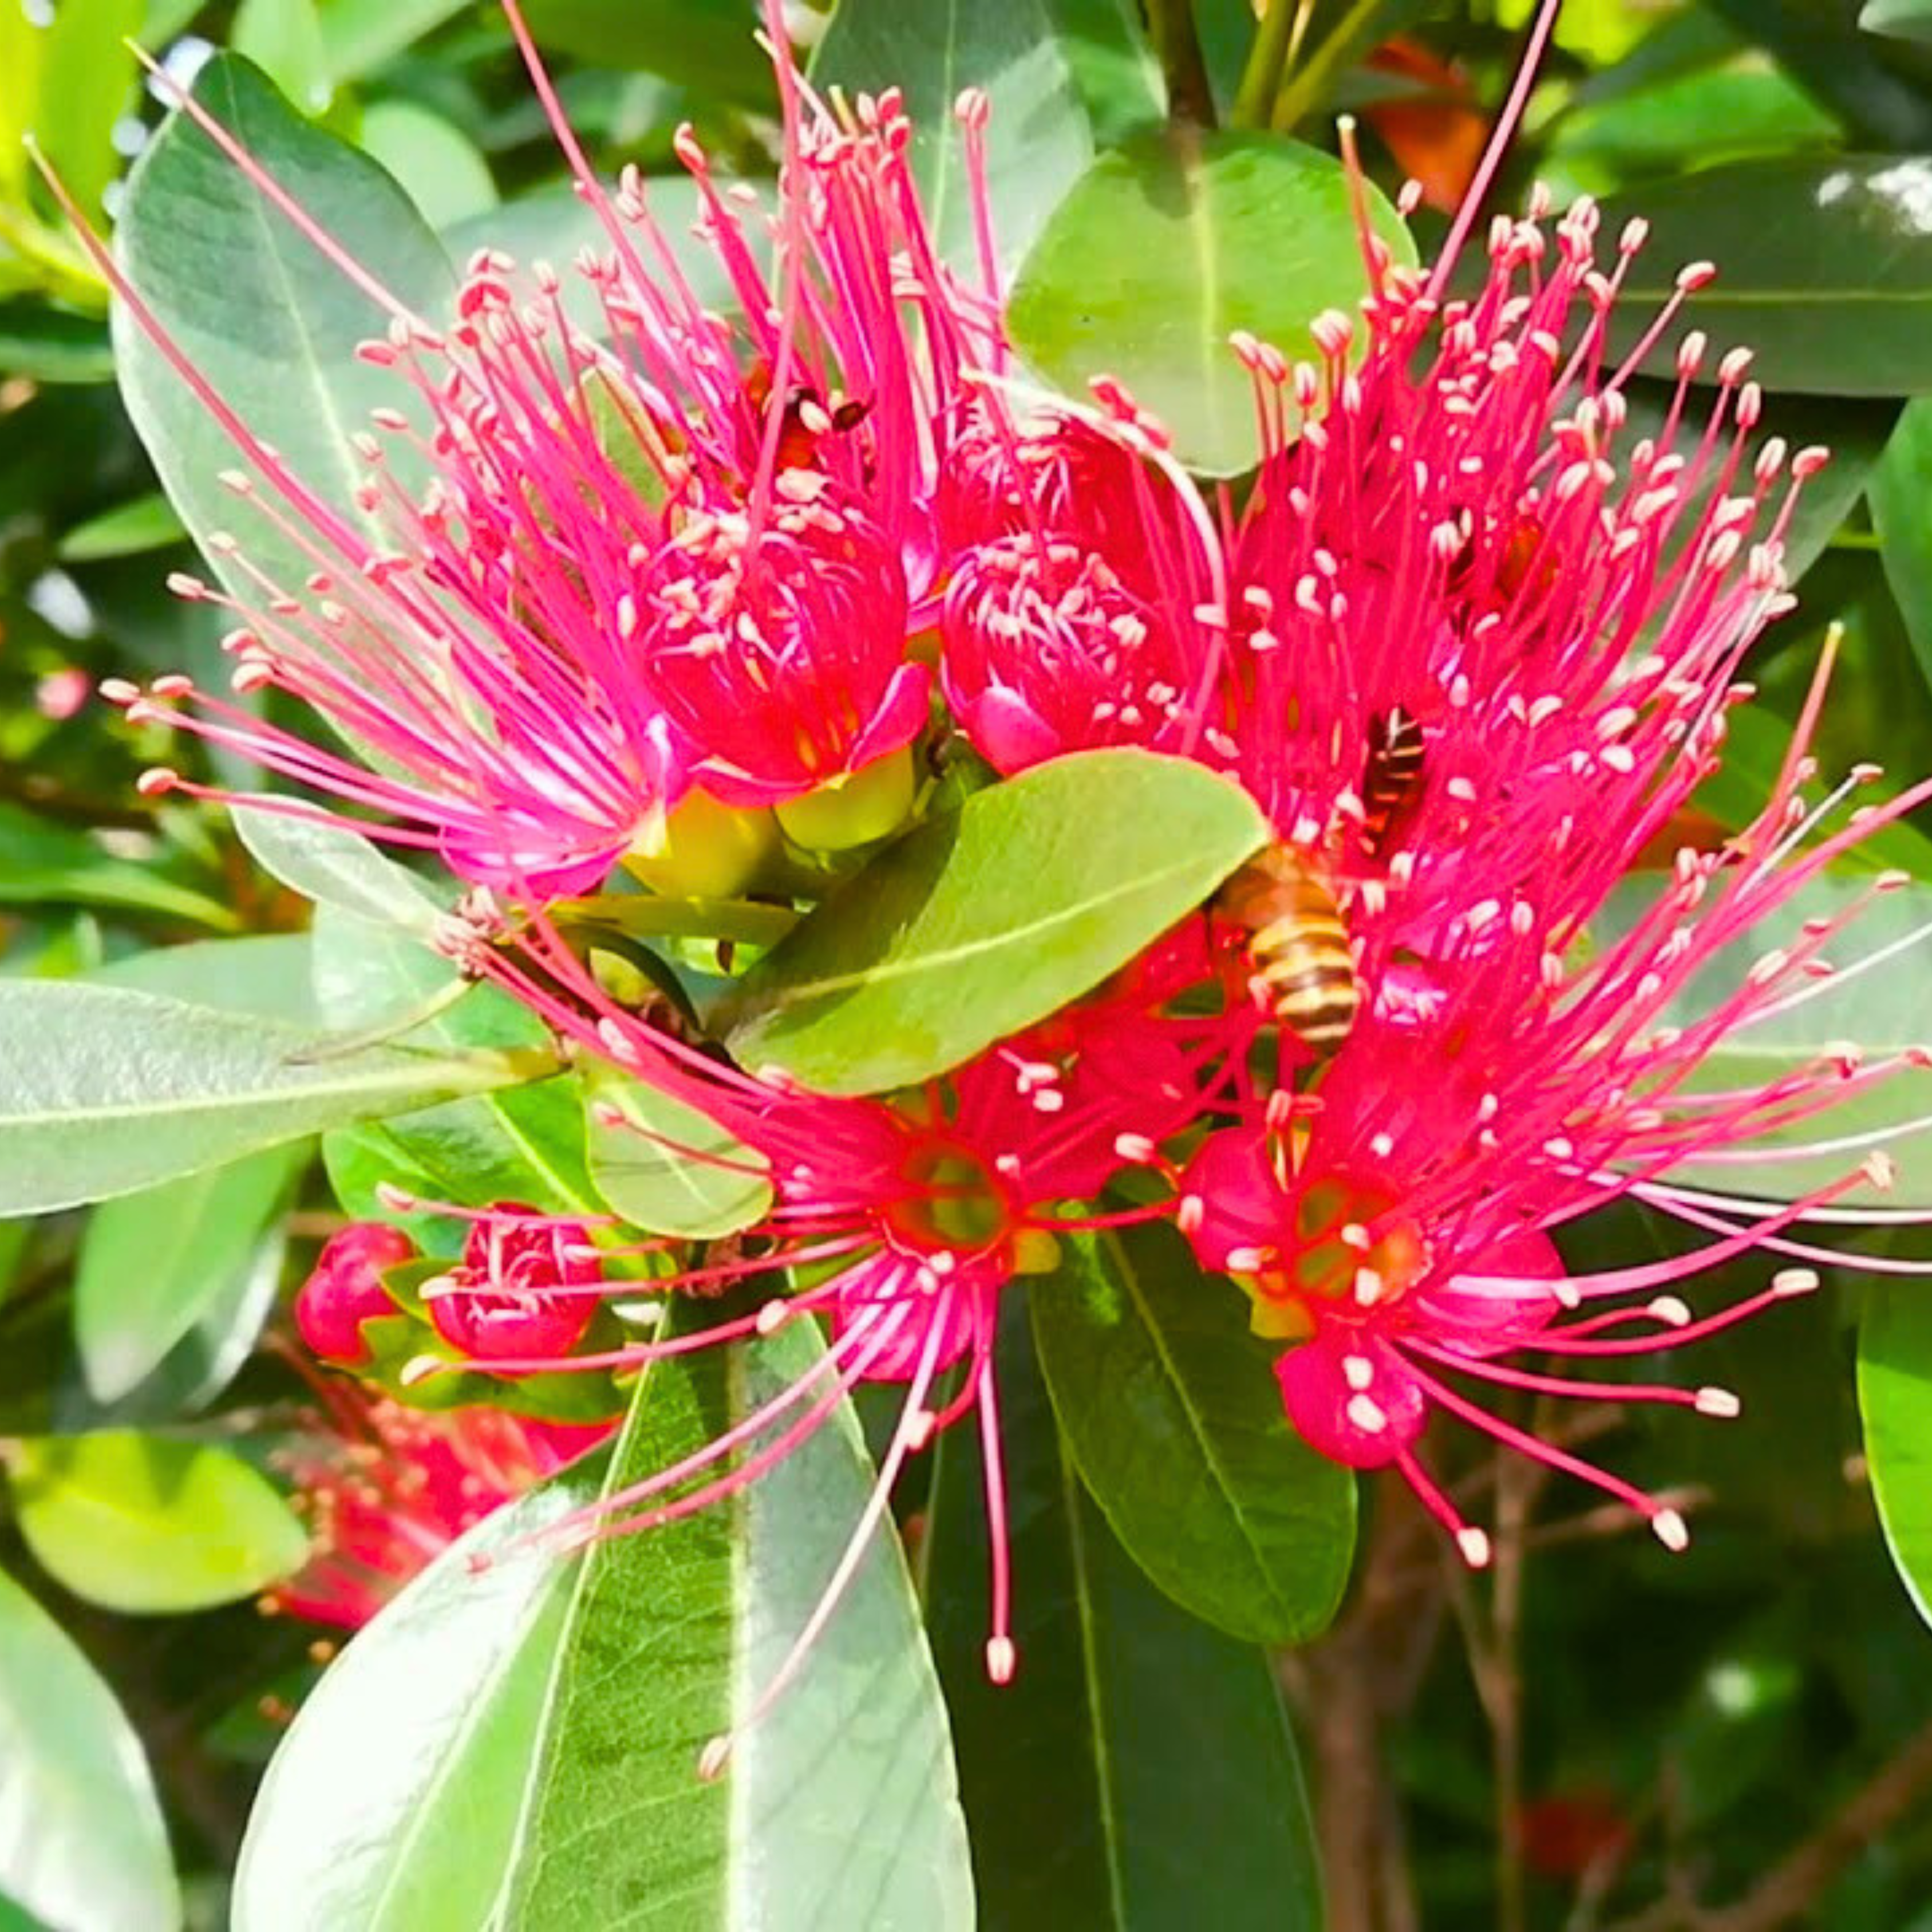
[(1297, 946), (1393, 777)]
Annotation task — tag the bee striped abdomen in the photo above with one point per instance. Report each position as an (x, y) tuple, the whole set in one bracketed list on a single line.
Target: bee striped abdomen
[(1298, 948), (1393, 779)]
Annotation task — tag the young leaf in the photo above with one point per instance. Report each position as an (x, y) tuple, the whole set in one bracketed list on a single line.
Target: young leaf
[(333, 866), (258, 311), (104, 1091), (1895, 1400), (665, 1167), (150, 1524), (1175, 1422), (981, 923), (82, 1841), (547, 1716), (151, 1263), (1172, 242), (1139, 1771), (1825, 269)]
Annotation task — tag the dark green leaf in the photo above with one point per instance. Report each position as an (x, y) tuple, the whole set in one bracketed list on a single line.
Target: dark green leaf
[(1825, 269), (1168, 246), (1139, 1775), (42, 863), (979, 923), (1032, 58), (1901, 494), (47, 345), (259, 311), (667, 1169), (704, 44), (82, 1842), (103, 1092), (1174, 1416), (547, 1714), (1895, 1400), (153, 1263), (149, 1524)]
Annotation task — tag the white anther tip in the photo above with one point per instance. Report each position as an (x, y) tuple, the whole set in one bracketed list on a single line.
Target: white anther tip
[(1475, 1545), (1002, 1659), (1670, 1529)]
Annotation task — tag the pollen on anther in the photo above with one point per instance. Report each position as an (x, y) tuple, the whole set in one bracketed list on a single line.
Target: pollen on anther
[(1670, 1529), (1001, 1659)]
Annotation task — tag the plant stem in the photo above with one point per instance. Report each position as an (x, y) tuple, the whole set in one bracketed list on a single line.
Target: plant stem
[(1261, 74), (1305, 84), (1190, 96)]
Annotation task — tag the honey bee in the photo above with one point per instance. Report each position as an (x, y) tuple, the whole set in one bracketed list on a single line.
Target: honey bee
[(808, 418), (1392, 780), (1522, 560), (1297, 946)]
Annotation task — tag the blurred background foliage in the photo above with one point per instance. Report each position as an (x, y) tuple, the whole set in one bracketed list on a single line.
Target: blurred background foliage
[(1601, 1735)]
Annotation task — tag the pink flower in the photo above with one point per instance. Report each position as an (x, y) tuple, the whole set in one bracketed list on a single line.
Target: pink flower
[(345, 1289), (526, 1286), (386, 1490), (673, 551)]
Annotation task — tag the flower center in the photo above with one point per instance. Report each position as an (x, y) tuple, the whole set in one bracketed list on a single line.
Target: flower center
[(1348, 1245), (952, 1202)]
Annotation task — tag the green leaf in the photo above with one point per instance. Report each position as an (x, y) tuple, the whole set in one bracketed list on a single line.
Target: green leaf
[(705, 45), (1900, 491), (1883, 1012), (44, 863), (1825, 262), (1898, 19), (150, 1525), (1139, 1775), (141, 524), (358, 36), (547, 1715), (1172, 1413), (87, 84), (267, 974), (82, 1841), (667, 1167), (333, 866), (284, 38), (152, 1263), (1895, 1402), (1169, 244), (1040, 139), (259, 312), (979, 923), (443, 170), (48, 346), (103, 1091)]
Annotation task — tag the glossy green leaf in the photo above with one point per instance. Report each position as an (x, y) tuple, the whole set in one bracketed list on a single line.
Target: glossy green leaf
[(543, 1719), (150, 1524), (1175, 1419), (259, 311), (441, 169), (1039, 139), (1169, 244), (333, 866), (1825, 269), (82, 1846), (1882, 1011), (1895, 1402), (104, 1091), (42, 863), (984, 921), (704, 44), (665, 1167), (1139, 1775), (151, 1263)]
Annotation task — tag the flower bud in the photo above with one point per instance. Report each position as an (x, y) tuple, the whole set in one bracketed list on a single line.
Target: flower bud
[(345, 1289), (518, 1291), (854, 809), (703, 850)]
